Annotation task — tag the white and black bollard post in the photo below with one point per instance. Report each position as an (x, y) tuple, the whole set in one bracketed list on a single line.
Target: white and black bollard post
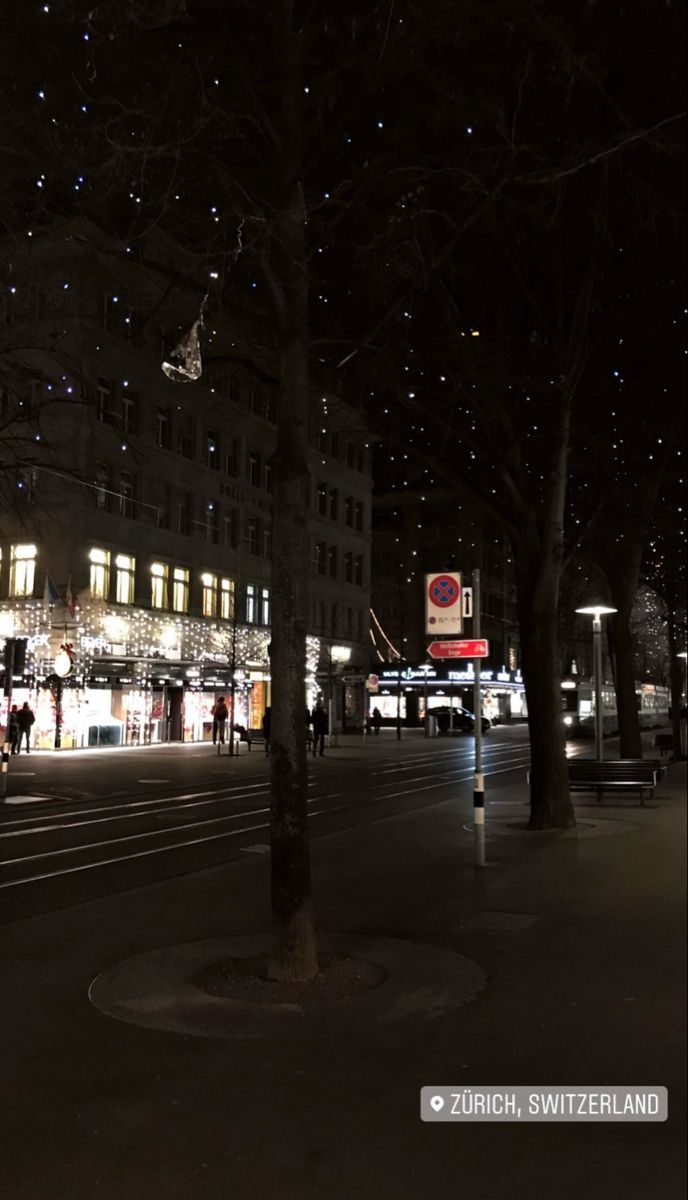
[(5, 768), (478, 777)]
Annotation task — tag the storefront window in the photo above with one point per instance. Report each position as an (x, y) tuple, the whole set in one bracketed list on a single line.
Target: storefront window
[(180, 589), (23, 570), (159, 573), (227, 599), (126, 568), (100, 574), (250, 604), (209, 600)]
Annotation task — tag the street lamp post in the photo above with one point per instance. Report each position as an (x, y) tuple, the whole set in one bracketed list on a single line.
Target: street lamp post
[(426, 668), (597, 611)]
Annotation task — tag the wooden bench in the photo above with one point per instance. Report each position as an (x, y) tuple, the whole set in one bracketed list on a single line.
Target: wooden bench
[(634, 774), (629, 774)]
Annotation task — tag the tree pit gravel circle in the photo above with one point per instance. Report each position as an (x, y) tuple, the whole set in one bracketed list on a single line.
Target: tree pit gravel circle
[(218, 988), (246, 979)]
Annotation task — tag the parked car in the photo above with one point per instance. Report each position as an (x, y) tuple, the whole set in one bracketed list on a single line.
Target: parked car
[(464, 719)]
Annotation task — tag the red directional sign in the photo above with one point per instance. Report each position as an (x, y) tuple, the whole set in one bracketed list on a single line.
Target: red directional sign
[(475, 648)]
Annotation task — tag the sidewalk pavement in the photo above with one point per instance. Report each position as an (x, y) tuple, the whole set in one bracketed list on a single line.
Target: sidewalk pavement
[(590, 992)]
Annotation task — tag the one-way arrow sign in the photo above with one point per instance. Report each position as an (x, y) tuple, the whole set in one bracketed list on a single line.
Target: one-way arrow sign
[(475, 648)]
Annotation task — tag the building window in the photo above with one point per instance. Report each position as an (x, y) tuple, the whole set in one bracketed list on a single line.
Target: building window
[(162, 427), (104, 401), (358, 569), (184, 515), (100, 574), (349, 622), (125, 578), (265, 606), (320, 552), (333, 619), (359, 515), (252, 528), (332, 562), (267, 542), (335, 445), (227, 599), (348, 567), (130, 411), (250, 604), (162, 511), (126, 494), (349, 512), (267, 475), (212, 450), (256, 402), (270, 410), (159, 574), (254, 468), (102, 488), (334, 503), (210, 522), (132, 323), (233, 458), (22, 569), (209, 595), (322, 615), (109, 310), (230, 526), (322, 500), (186, 436), (180, 589)]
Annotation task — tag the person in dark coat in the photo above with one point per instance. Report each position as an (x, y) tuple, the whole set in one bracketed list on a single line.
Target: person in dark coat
[(220, 715), (25, 720), (267, 719), (377, 720), (320, 728), (13, 730)]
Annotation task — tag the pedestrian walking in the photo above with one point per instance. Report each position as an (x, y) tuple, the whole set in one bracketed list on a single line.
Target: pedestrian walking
[(309, 735), (320, 728), (220, 715), (377, 720), (13, 730), (25, 720), (267, 717)]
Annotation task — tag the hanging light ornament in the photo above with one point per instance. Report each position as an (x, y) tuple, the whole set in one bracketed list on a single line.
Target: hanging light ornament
[(185, 364)]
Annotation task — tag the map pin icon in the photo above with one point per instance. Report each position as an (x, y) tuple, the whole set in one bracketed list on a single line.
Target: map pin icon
[(437, 1103)]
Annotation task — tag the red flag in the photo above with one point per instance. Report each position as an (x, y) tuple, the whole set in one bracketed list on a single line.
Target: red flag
[(70, 599)]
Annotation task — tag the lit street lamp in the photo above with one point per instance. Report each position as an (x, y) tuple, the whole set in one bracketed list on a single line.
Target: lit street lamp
[(597, 611)]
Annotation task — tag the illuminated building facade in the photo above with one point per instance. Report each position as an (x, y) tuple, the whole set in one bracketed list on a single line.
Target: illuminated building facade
[(136, 520)]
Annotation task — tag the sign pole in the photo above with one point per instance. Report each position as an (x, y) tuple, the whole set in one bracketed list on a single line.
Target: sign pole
[(478, 778)]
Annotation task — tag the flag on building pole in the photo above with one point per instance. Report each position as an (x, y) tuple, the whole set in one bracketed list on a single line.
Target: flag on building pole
[(51, 593), (70, 599)]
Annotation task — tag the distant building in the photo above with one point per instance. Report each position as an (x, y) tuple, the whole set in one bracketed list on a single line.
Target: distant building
[(415, 534), (136, 522)]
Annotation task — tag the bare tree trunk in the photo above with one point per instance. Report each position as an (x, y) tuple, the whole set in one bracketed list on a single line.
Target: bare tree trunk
[(676, 682), (538, 593), (621, 639), (294, 947)]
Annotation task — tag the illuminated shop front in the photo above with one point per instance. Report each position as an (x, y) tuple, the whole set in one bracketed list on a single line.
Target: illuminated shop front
[(141, 678), (404, 690)]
